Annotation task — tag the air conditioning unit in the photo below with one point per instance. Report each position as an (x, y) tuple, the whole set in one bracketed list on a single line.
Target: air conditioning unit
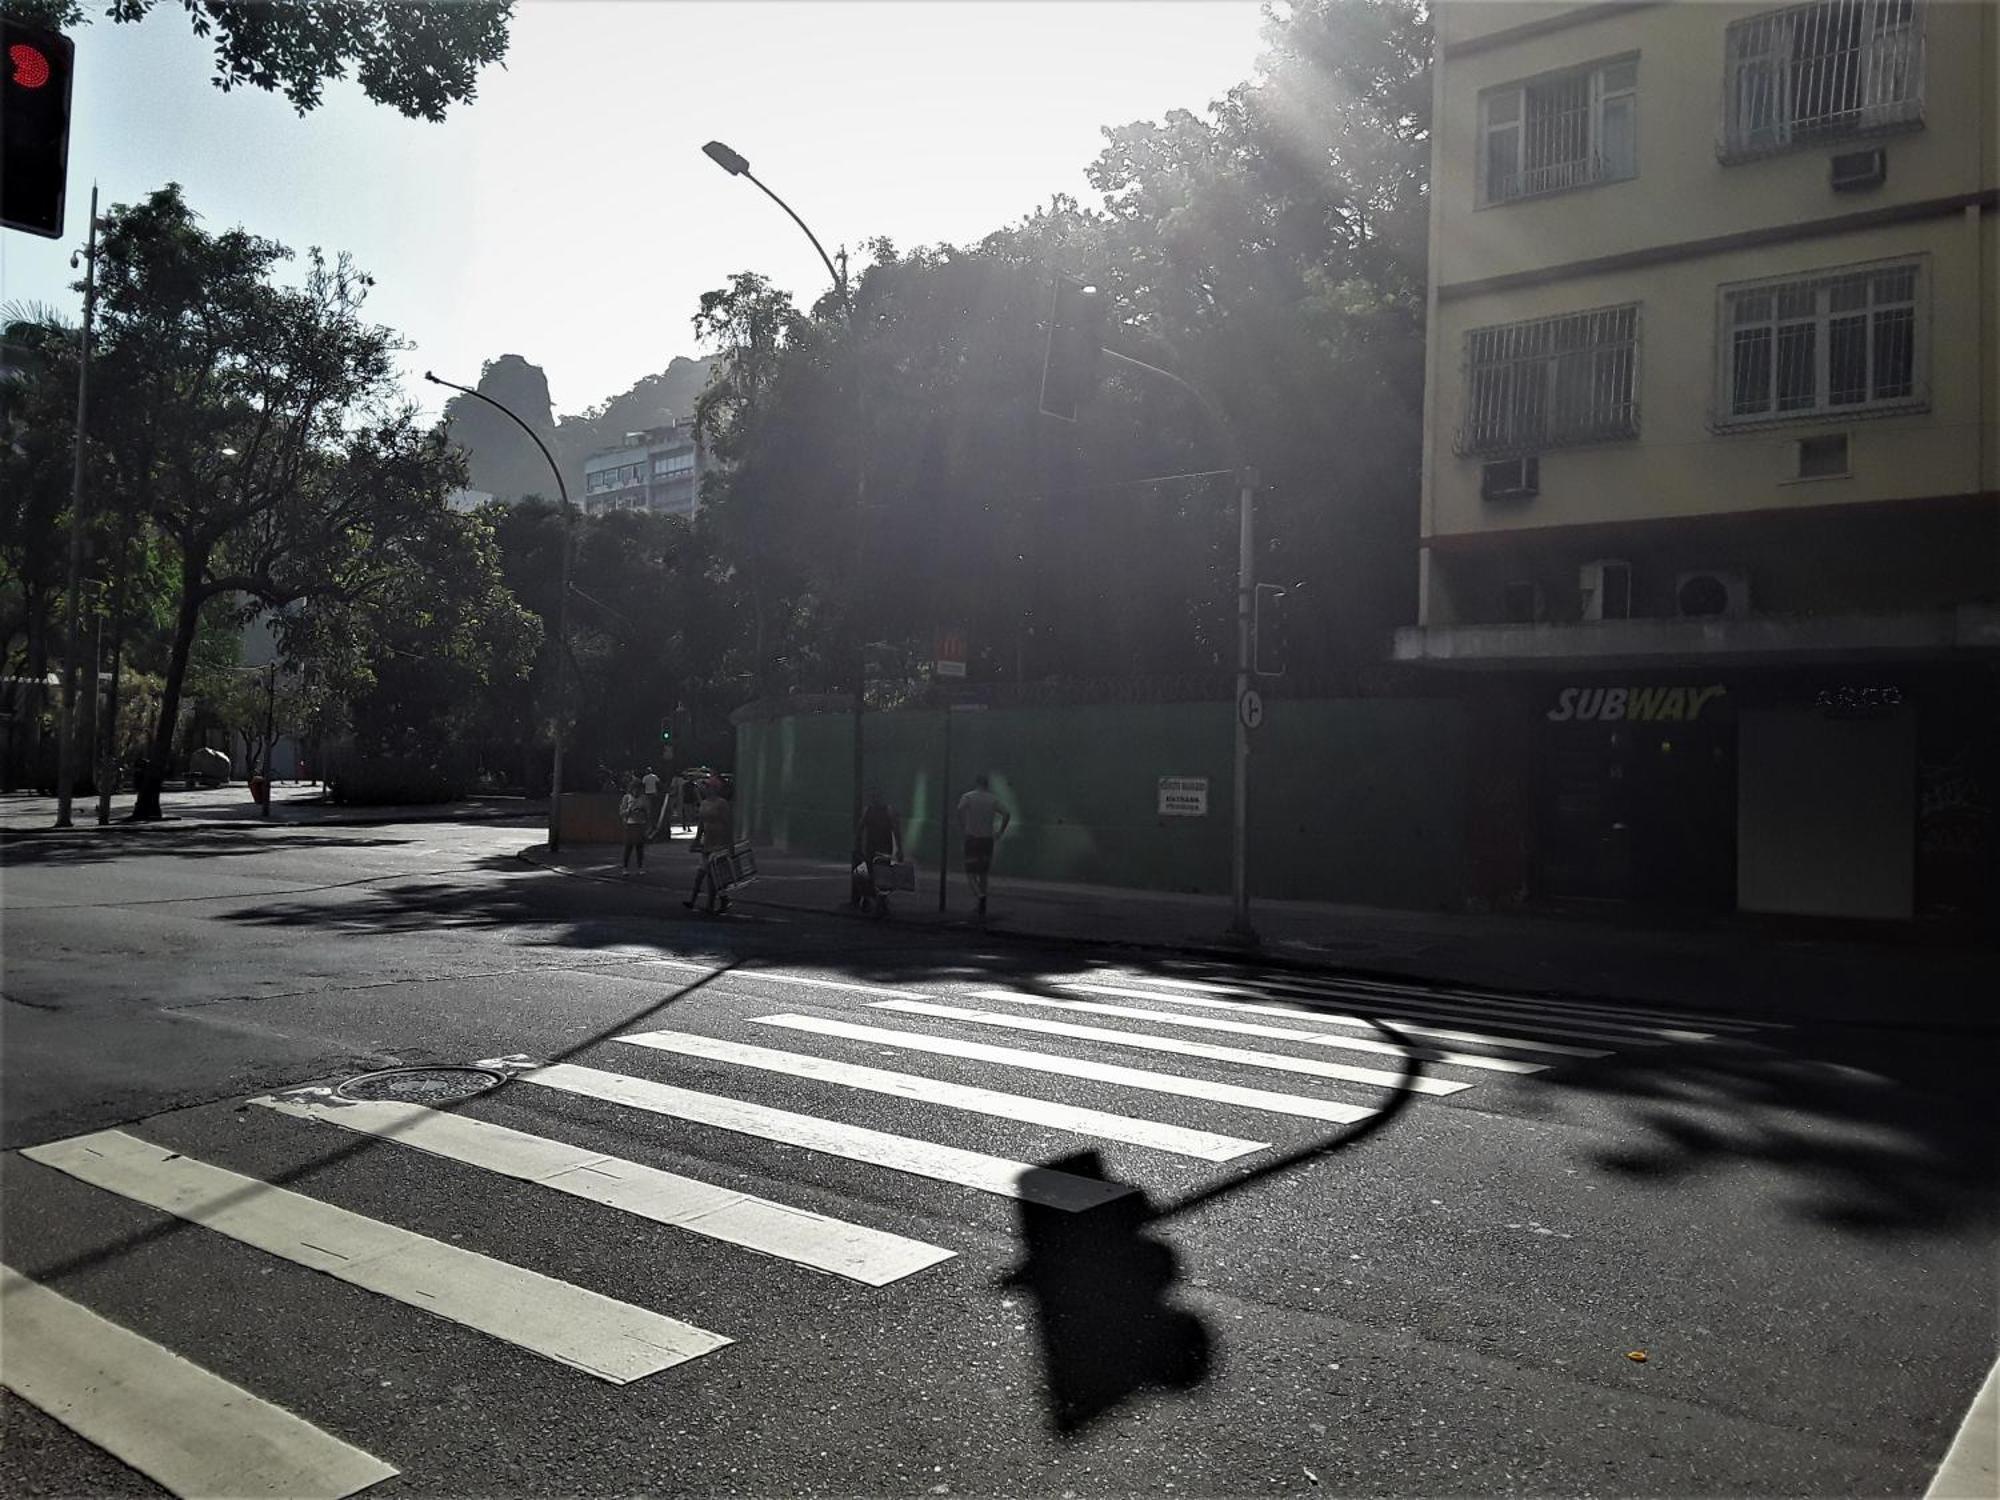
[(1712, 595), (1854, 171), (1511, 479), (1606, 589)]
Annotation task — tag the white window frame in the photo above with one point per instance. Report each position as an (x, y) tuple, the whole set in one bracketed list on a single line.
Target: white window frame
[(1822, 281), (1769, 57), (1595, 167), (1560, 368)]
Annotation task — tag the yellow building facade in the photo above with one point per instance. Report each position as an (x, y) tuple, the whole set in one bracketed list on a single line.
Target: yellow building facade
[(1713, 415)]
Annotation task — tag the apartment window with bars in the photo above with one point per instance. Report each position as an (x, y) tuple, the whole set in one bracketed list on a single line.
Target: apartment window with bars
[(1822, 72), (1566, 131), (1552, 382), (1843, 341)]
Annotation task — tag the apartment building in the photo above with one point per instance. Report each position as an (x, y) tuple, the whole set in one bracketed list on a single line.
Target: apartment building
[(1711, 509), (658, 470)]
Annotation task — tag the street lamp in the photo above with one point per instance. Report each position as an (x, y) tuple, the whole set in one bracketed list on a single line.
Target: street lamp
[(562, 606), (736, 165)]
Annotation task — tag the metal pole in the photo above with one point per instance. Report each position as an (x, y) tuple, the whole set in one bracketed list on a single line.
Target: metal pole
[(1246, 590), (66, 754), (562, 606), (943, 817), (270, 729)]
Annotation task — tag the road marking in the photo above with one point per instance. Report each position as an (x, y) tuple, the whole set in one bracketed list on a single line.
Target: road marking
[(844, 986), (1586, 1012), (1201, 1144), (1252, 1028), (183, 1427), (612, 1340), (1389, 1009), (1076, 1067), (870, 1256), (1243, 1055), (990, 1174), (1301, 1013), (1972, 1464)]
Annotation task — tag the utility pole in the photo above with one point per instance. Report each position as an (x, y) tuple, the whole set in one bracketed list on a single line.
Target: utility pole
[(66, 754), (270, 728)]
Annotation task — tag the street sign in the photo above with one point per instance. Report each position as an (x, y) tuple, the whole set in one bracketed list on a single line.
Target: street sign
[(1250, 708), (950, 655), (1183, 796)]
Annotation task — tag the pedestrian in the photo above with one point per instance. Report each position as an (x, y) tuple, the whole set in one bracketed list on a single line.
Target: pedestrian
[(650, 782), (635, 816), (878, 836), (982, 820), (715, 833)]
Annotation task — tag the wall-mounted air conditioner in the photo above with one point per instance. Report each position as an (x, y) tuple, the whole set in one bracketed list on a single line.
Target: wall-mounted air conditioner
[(1511, 478), (1712, 595), (1854, 171), (1605, 587)]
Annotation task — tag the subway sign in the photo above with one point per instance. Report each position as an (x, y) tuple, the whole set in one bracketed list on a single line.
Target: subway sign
[(1644, 705)]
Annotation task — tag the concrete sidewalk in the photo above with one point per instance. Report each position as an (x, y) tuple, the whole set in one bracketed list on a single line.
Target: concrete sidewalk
[(24, 813), (1740, 967)]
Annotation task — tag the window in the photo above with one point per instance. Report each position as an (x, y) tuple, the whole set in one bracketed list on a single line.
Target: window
[(1562, 132), (1836, 342), (1822, 72), (1553, 381), (674, 465)]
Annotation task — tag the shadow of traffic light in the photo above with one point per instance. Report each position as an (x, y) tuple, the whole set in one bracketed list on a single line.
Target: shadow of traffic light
[(1101, 1286)]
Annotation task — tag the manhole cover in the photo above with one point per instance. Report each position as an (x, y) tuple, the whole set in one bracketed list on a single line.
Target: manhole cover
[(437, 1085)]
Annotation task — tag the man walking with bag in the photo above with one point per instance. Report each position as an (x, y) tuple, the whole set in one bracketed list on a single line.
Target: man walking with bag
[(715, 835), (982, 820)]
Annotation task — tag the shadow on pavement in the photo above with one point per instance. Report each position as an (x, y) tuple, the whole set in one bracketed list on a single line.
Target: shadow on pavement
[(208, 842)]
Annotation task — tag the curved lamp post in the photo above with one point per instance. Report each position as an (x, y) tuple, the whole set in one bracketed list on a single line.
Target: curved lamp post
[(562, 607), (736, 165)]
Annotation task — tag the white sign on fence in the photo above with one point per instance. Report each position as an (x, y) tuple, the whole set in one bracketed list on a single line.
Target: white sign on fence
[(1183, 796)]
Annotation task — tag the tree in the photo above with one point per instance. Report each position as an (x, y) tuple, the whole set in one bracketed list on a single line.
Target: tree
[(418, 59), (254, 425)]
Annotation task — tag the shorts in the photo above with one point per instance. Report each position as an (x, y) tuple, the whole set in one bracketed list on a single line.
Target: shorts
[(978, 855)]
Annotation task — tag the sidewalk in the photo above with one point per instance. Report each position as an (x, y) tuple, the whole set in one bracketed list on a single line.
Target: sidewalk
[(25, 813), (1742, 968)]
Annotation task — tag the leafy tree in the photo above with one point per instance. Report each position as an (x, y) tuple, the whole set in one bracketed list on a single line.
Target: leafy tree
[(255, 425), (418, 59)]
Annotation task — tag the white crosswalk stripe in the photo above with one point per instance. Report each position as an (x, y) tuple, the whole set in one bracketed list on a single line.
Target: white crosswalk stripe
[(185, 1428), (612, 1340), (795, 1234), (1202, 1144), (1276, 1061), (1252, 1028), (1330, 1018), (991, 1174), (1330, 1110)]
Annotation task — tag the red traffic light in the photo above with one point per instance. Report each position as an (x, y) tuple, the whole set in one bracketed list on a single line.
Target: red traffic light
[(31, 69)]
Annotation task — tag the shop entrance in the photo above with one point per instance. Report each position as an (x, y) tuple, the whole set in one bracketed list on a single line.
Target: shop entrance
[(1636, 797)]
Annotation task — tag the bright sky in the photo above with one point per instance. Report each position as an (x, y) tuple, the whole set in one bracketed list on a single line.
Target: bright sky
[(568, 214)]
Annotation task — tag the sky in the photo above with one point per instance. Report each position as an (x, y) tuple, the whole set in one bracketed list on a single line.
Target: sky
[(568, 216)]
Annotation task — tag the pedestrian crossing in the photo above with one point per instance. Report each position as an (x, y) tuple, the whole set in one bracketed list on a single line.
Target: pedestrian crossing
[(988, 1078)]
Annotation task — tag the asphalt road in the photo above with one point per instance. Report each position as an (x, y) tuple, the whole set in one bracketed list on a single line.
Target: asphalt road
[(1396, 1269)]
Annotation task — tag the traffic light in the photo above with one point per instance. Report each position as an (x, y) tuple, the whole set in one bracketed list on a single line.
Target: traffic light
[(34, 128), (666, 731), (1270, 644), (1076, 343)]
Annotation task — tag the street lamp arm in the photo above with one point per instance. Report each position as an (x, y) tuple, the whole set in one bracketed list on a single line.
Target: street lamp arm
[(561, 489), (1208, 407), (839, 281)]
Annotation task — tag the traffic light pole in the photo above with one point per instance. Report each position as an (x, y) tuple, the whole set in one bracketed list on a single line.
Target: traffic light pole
[(66, 751), (562, 609), (1240, 927)]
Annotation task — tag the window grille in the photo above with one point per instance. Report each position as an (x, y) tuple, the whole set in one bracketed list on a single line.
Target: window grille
[(1552, 382), (1838, 342), (1563, 132), (1822, 72)]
